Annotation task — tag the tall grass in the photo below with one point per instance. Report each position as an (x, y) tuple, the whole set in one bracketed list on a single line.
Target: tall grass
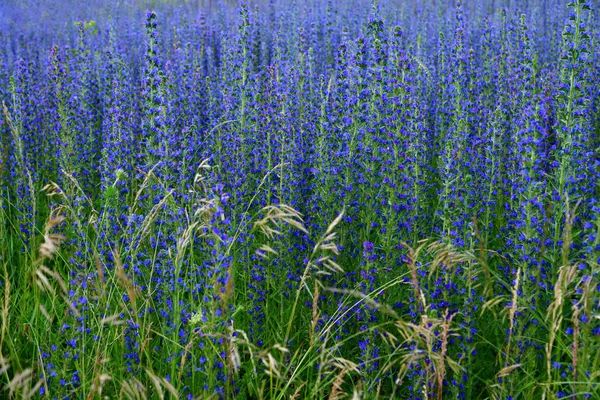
[(324, 200)]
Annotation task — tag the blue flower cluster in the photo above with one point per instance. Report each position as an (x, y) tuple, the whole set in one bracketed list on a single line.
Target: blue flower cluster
[(198, 151)]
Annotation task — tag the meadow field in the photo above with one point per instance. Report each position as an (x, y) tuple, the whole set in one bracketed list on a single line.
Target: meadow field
[(279, 199)]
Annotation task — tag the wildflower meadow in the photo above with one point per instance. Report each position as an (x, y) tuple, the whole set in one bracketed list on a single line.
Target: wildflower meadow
[(300, 199)]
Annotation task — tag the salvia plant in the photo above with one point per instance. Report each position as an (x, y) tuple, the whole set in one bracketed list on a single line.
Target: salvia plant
[(300, 200)]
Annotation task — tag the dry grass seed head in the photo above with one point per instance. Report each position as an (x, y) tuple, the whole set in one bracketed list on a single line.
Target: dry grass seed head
[(4, 365), (272, 366), (200, 177), (52, 189), (512, 312), (133, 390), (144, 185), (112, 320), (413, 256), (296, 394), (51, 244), (22, 384), (336, 388), (79, 188), (424, 334), (19, 381), (264, 251), (275, 216), (160, 383), (554, 316), (150, 218), (124, 280), (47, 250), (183, 242), (98, 385), (334, 223), (445, 255), (357, 394), (507, 370)]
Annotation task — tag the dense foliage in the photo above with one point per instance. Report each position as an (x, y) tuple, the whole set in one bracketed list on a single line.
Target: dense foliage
[(324, 199)]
